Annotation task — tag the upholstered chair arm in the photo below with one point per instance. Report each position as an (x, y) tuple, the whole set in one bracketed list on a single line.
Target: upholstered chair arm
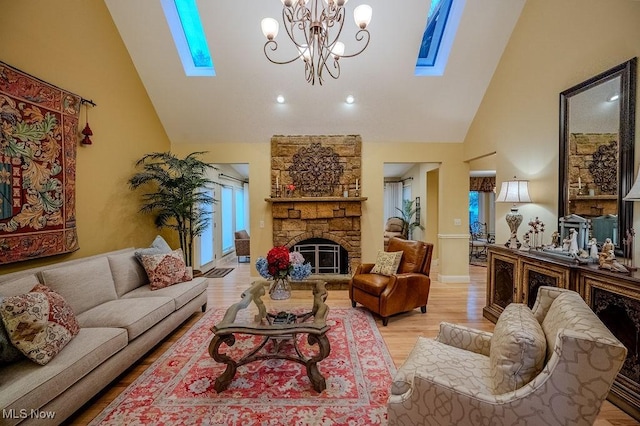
[(364, 268), (465, 338)]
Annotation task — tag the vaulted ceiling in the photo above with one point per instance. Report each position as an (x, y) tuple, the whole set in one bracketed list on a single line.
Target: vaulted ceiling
[(391, 103)]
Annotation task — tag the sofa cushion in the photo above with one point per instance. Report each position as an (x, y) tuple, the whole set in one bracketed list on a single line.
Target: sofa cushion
[(83, 285), (19, 286), (387, 263), (39, 323), (136, 315), (8, 352), (27, 385), (158, 246), (458, 367), (128, 273), (518, 349), (165, 269), (181, 293)]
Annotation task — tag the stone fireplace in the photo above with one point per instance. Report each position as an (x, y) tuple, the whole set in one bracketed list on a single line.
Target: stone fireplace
[(325, 203), (330, 218)]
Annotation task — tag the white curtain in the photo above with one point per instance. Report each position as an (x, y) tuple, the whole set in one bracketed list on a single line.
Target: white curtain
[(392, 199)]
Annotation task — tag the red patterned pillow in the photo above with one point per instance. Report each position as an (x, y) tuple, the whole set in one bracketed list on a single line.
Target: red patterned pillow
[(39, 323), (166, 269)]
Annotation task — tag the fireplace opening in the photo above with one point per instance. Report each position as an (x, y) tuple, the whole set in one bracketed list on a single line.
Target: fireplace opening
[(325, 256)]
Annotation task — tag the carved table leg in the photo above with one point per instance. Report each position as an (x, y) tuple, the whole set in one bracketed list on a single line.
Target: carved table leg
[(224, 380), (317, 380)]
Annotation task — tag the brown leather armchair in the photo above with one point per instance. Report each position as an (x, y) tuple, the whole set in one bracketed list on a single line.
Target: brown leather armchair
[(406, 290)]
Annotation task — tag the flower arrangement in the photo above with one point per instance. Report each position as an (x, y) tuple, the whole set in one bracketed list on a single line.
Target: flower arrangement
[(281, 264)]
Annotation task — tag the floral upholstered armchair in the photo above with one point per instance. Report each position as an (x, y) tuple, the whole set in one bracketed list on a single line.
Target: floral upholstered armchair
[(553, 365)]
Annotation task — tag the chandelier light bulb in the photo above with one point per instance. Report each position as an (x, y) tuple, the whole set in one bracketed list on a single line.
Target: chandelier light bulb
[(338, 49), (314, 28), (305, 52), (362, 15), (270, 28)]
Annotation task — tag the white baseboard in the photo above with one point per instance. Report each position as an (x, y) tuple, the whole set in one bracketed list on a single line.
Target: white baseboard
[(454, 279)]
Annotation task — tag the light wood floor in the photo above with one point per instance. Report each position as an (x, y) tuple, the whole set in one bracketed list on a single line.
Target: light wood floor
[(456, 303)]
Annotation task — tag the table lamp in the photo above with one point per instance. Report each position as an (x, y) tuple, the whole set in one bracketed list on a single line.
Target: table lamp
[(514, 191), (632, 195)]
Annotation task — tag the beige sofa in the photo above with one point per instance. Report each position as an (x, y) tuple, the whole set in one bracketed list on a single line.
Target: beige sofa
[(553, 365), (120, 320)]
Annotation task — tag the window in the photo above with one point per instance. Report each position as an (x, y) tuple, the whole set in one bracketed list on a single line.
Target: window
[(188, 35), (442, 25), (206, 239), (239, 208), (474, 206), (226, 207)]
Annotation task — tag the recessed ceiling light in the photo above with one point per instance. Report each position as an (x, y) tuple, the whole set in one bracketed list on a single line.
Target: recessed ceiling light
[(613, 97), (280, 99), (350, 99)]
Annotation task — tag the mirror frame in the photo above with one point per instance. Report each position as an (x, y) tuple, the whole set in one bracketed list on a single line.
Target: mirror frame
[(627, 72)]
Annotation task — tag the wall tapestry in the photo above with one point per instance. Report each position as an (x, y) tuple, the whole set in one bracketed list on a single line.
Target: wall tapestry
[(38, 136)]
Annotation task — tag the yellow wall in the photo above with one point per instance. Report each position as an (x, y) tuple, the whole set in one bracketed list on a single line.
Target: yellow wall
[(555, 45), (453, 238), (75, 45)]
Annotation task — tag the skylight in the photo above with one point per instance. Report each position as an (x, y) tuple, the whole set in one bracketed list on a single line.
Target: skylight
[(442, 25), (188, 35)]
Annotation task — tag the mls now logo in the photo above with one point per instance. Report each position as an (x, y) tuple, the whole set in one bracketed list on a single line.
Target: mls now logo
[(27, 414)]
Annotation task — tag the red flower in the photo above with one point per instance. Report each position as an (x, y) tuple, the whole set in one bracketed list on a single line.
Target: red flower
[(278, 261)]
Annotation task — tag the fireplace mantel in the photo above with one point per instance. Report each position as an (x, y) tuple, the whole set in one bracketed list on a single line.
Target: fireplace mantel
[(312, 199)]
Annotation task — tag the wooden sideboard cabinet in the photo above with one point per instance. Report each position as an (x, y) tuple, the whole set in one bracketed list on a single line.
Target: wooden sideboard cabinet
[(514, 276)]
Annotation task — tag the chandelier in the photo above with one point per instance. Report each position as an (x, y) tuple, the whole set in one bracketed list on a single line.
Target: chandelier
[(315, 31)]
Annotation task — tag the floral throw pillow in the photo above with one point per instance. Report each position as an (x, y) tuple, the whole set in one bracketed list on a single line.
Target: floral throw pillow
[(39, 323), (165, 269), (8, 352), (387, 263)]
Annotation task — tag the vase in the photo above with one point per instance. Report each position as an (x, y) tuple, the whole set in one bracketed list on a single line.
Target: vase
[(280, 289)]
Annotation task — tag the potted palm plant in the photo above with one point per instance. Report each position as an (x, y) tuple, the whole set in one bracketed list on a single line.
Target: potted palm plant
[(410, 223), (176, 194)]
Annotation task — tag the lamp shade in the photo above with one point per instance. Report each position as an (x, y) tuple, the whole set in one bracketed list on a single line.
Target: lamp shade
[(362, 15), (514, 191), (634, 192), (270, 28)]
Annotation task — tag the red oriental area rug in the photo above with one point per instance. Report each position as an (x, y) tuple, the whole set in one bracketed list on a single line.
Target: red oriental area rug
[(178, 387)]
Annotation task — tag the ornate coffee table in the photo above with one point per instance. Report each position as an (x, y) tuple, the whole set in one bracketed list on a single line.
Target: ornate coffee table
[(277, 326)]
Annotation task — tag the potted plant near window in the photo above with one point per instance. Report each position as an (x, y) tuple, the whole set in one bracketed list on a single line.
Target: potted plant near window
[(410, 223), (176, 194)]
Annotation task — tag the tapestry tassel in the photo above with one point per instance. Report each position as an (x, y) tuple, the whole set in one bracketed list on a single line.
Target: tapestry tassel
[(87, 130)]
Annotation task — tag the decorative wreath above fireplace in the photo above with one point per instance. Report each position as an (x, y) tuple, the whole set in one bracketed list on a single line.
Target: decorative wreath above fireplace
[(316, 166), (316, 170)]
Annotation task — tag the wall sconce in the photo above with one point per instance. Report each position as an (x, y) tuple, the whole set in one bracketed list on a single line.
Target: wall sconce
[(514, 191)]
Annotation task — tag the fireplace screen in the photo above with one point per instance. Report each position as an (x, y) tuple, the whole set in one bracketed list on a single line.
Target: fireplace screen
[(325, 256)]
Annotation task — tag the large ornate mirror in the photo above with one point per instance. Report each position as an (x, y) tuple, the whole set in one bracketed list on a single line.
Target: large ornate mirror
[(597, 132)]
